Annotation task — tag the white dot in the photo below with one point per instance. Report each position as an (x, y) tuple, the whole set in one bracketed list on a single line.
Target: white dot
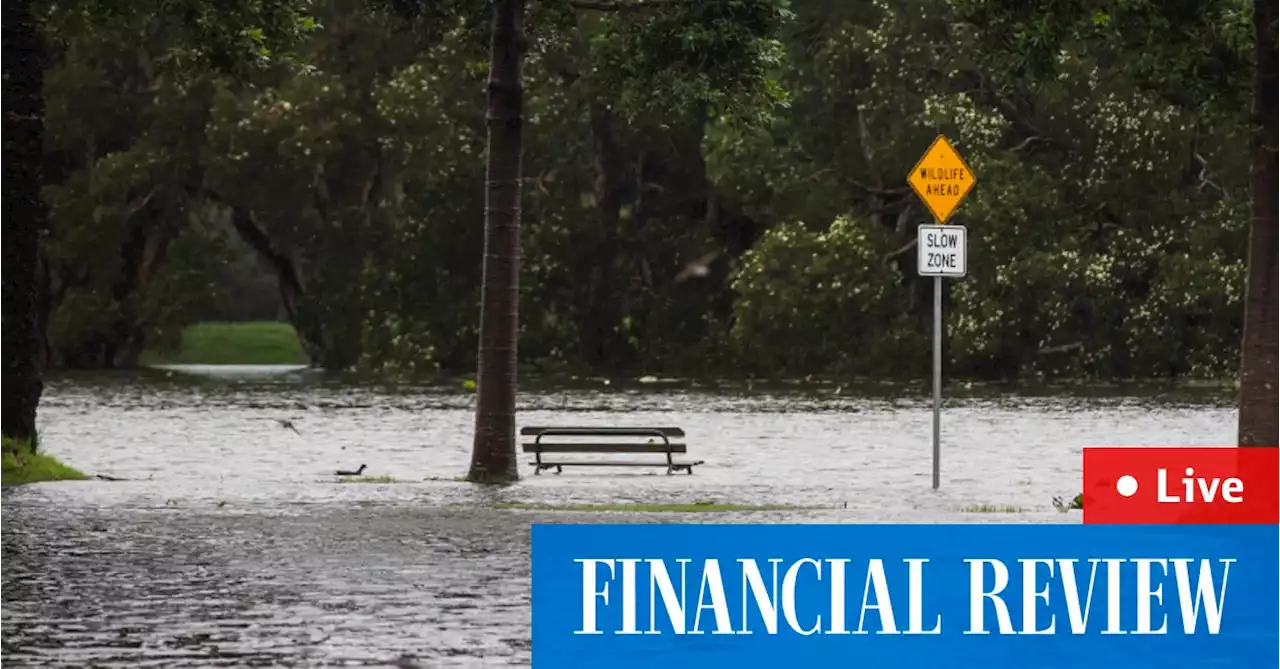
[(1126, 485)]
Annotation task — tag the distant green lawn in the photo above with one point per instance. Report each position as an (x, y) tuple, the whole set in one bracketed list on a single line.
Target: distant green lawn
[(253, 343)]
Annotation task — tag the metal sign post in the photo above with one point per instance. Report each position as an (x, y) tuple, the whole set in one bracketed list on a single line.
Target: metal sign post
[(937, 382), (941, 179)]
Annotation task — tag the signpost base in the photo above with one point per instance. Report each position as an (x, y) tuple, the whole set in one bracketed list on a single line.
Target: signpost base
[(942, 253)]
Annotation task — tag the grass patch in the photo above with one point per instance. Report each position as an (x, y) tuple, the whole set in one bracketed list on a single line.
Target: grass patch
[(991, 508), (21, 465), (696, 507), (250, 343), (368, 479)]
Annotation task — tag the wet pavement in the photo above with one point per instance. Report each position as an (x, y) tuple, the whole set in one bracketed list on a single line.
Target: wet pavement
[(231, 544)]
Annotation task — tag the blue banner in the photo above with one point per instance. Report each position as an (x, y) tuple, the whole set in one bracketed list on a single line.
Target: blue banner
[(909, 596)]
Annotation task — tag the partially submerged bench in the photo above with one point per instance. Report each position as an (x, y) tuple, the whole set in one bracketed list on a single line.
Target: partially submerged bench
[(657, 440)]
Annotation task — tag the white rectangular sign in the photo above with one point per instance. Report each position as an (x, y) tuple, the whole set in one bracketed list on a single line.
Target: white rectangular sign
[(941, 250)]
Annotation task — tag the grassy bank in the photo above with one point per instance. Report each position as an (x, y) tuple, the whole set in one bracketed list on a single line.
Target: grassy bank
[(369, 479), (992, 508), (20, 466), (252, 343)]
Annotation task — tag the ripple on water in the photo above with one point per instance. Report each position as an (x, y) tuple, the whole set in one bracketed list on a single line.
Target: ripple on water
[(232, 546)]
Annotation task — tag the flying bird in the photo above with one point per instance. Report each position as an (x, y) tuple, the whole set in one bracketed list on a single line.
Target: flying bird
[(288, 424), (698, 268)]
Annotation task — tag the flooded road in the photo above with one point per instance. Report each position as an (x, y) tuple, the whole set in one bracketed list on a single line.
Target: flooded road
[(231, 544)]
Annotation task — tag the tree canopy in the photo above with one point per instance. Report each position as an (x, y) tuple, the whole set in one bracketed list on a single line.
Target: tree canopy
[(1108, 230)]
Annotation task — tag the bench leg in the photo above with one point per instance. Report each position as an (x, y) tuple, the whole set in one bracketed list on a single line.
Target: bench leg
[(537, 469), (559, 469)]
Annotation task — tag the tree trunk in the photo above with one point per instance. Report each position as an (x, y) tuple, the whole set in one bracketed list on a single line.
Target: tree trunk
[(599, 340), (24, 218), (493, 455), (288, 277), (144, 252), (1258, 372)]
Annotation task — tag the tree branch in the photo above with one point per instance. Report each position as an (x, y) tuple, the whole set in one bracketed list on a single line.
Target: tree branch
[(904, 217), (1026, 143), (1203, 175), (984, 92), (320, 194), (893, 255), (547, 176), (872, 190), (140, 204), (257, 238), (1064, 348)]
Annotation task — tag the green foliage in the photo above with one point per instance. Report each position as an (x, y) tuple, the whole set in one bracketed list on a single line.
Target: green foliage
[(1106, 230), (1196, 55), (690, 58), (817, 301), (114, 169), (346, 172), (132, 248), (236, 38)]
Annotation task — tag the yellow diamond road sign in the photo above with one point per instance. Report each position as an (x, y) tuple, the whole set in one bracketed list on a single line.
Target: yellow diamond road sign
[(941, 179)]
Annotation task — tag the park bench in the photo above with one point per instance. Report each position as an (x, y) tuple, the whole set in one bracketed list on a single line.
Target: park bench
[(657, 440)]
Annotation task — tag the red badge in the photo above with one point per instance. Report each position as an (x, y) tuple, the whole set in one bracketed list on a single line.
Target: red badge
[(1202, 486)]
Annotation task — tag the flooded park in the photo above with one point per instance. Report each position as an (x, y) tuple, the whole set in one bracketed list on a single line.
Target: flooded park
[(229, 541), (230, 227)]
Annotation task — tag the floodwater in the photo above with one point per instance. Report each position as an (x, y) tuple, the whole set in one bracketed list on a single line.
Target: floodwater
[(231, 544)]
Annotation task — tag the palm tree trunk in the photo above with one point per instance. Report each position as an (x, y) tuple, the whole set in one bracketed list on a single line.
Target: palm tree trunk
[(1258, 372), (599, 338), (24, 218), (493, 455)]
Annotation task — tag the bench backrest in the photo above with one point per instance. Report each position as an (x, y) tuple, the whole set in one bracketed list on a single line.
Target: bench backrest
[(604, 431), (659, 440)]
